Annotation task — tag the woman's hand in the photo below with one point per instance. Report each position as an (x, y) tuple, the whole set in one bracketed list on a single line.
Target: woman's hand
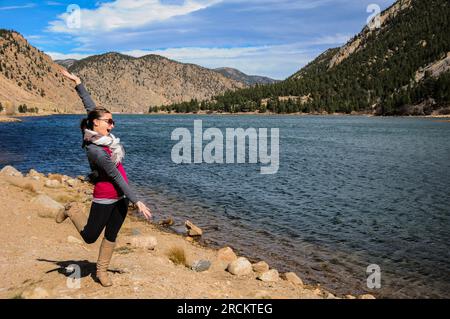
[(71, 76), (144, 210)]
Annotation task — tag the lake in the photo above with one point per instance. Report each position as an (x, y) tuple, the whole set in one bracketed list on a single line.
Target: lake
[(350, 192)]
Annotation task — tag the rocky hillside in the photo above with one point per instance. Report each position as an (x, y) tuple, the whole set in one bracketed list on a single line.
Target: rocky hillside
[(230, 73), (401, 67), (29, 79), (358, 42), (126, 84), (242, 77)]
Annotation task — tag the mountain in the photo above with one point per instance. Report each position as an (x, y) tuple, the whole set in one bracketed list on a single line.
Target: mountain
[(230, 73), (401, 67), (67, 63), (123, 83), (242, 77), (29, 79), (385, 70)]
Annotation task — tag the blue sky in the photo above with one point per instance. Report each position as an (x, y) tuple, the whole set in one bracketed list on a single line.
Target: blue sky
[(265, 37)]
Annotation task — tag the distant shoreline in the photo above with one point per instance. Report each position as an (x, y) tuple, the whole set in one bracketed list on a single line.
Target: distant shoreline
[(16, 117), (8, 119)]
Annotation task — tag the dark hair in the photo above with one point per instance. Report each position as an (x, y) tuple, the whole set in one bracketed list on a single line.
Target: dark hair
[(88, 122)]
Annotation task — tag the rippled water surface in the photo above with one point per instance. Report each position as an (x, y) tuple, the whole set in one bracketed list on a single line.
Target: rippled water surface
[(350, 192)]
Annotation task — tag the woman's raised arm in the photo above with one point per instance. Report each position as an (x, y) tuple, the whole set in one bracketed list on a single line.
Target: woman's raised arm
[(88, 103)]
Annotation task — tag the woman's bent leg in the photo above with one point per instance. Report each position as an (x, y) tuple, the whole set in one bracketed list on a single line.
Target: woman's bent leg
[(75, 212), (98, 218)]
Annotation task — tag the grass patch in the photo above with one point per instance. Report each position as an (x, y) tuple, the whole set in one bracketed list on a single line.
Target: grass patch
[(17, 296), (177, 256), (124, 250)]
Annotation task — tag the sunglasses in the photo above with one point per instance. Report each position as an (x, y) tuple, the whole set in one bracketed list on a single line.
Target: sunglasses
[(109, 121)]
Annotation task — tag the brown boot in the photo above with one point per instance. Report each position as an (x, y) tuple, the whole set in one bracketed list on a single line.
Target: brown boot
[(62, 215), (75, 211), (104, 258)]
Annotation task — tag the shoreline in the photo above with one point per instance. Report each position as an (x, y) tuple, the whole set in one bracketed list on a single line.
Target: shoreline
[(8, 119), (16, 117), (139, 272)]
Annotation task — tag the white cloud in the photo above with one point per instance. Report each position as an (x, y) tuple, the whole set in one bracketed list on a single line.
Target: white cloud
[(122, 14), (270, 5), (64, 56), (54, 3), (217, 53), (25, 6), (33, 37), (337, 39), (276, 61)]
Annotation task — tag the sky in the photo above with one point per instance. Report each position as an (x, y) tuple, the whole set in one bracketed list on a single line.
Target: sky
[(273, 38)]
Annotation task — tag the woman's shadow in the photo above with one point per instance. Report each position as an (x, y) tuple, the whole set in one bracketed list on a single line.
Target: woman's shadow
[(72, 268), (69, 268), (75, 268)]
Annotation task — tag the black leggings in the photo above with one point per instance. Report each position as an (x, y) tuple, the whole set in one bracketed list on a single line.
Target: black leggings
[(110, 216)]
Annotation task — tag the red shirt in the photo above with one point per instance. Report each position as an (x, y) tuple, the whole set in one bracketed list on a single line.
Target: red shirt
[(104, 188)]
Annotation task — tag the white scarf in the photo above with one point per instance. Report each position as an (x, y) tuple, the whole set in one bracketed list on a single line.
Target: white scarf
[(118, 152)]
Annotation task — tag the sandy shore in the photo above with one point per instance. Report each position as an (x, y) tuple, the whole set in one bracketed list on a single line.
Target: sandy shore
[(8, 119), (35, 252)]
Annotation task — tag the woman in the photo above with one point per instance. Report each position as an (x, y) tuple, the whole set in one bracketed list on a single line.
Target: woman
[(111, 192)]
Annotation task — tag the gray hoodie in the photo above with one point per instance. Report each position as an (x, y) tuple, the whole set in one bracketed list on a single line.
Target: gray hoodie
[(100, 160)]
